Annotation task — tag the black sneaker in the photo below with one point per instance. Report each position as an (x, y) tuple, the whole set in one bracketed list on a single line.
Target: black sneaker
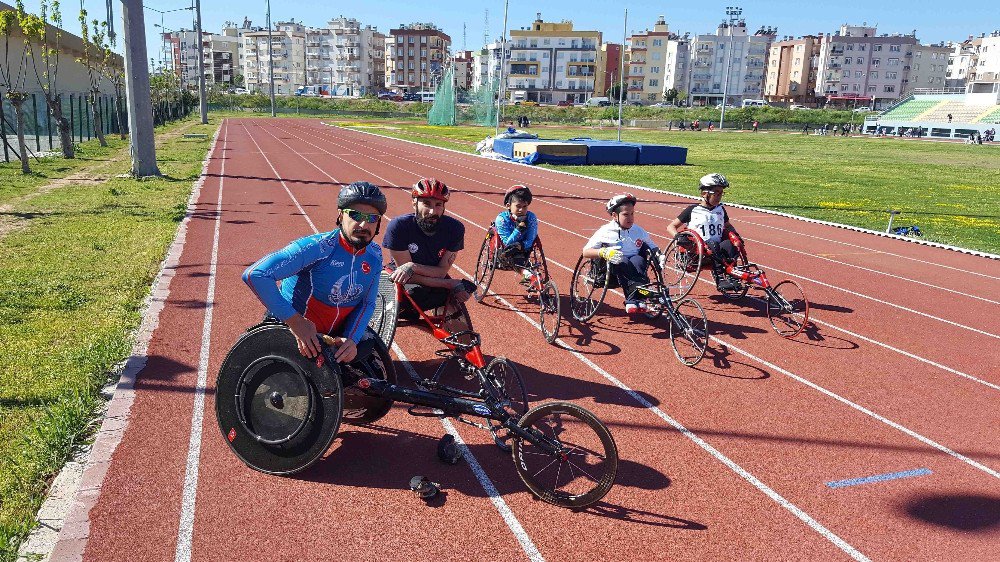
[(726, 284)]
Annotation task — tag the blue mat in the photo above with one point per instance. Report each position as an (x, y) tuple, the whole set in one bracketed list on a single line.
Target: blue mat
[(602, 152), (505, 146)]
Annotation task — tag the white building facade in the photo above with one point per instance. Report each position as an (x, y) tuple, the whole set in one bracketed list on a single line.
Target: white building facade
[(730, 55), (550, 63)]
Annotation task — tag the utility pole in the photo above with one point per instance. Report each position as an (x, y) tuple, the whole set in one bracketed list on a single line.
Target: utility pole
[(503, 63), (621, 77), (202, 97), (140, 107), (270, 56), (734, 13)]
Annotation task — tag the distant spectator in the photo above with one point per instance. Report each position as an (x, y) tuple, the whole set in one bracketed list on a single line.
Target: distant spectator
[(834, 130), (755, 125), (710, 126), (949, 117)]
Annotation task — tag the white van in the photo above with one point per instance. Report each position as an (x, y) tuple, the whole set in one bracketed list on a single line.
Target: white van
[(426, 96), (754, 103), (598, 101)]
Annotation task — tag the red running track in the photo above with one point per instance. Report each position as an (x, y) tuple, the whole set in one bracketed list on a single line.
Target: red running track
[(729, 460)]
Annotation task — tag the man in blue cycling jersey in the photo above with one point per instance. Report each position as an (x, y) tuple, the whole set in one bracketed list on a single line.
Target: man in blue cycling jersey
[(328, 281)]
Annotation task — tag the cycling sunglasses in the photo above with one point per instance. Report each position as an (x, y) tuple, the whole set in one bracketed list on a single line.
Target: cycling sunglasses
[(358, 216)]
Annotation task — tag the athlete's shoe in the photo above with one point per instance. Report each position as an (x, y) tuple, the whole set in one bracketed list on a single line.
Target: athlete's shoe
[(631, 308)]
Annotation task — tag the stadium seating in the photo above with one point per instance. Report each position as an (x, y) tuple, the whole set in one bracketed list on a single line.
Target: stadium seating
[(960, 112), (909, 110), (991, 117)]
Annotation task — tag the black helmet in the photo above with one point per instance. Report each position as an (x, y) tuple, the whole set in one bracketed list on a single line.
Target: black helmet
[(362, 192)]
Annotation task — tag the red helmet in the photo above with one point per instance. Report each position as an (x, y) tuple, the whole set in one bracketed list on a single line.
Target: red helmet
[(430, 188), (521, 191)]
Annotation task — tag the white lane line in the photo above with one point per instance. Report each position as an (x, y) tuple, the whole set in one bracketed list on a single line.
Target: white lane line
[(185, 530), (508, 516), (484, 480), (843, 330), (688, 196), (762, 361)]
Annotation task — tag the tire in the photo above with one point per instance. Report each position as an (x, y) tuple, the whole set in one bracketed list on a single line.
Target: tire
[(683, 264), (504, 384), (548, 311), (581, 476), (360, 408), (581, 291), (787, 308), (485, 267), (689, 332)]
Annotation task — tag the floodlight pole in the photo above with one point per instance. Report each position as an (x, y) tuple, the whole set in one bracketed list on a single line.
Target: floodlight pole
[(503, 63), (270, 56), (140, 107), (202, 98), (734, 13), (621, 77)]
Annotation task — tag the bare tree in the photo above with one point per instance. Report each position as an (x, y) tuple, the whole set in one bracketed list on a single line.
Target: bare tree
[(14, 84), (113, 70), (92, 57), (46, 62)]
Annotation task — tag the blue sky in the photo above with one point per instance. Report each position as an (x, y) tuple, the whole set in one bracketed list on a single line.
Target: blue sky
[(933, 20)]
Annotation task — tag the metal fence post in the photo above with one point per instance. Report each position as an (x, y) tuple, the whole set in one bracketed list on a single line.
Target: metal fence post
[(81, 102), (6, 156), (72, 121), (34, 110)]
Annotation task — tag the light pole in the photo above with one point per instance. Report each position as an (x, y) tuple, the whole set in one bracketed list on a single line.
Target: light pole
[(270, 56), (503, 63), (733, 13), (202, 98), (621, 75)]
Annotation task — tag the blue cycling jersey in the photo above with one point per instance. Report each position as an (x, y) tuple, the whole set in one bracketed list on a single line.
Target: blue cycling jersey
[(322, 278), (509, 233)]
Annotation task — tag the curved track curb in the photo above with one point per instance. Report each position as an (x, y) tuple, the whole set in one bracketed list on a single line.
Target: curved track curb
[(734, 205)]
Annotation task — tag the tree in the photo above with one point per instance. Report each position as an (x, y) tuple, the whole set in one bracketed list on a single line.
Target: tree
[(614, 92), (114, 72), (15, 84), (239, 81), (670, 95), (92, 58), (46, 62)]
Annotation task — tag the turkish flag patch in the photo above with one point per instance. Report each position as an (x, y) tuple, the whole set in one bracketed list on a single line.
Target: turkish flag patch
[(365, 267)]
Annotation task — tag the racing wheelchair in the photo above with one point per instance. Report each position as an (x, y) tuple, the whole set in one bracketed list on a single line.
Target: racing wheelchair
[(687, 254), (279, 411), (688, 324), (493, 256)]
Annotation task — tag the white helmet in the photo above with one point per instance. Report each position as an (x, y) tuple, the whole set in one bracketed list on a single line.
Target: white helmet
[(714, 180), (619, 200)]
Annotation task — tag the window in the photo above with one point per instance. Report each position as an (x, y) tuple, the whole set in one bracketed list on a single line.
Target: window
[(533, 43), (862, 47), (917, 54), (423, 65), (917, 67), (847, 60), (793, 87), (423, 40), (877, 48), (873, 75), (798, 61), (399, 65), (875, 62), (654, 69), (653, 82), (893, 62), (850, 47), (546, 42), (411, 52), (410, 39), (890, 75), (798, 47), (894, 48), (423, 53), (861, 60), (843, 87), (847, 74), (859, 74), (410, 66), (889, 89), (657, 42), (794, 74), (871, 89)]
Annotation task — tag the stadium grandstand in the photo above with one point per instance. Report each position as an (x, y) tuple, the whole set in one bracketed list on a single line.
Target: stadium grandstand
[(941, 113)]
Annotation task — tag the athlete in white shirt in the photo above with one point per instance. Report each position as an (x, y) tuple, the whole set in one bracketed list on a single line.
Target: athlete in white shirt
[(710, 220), (626, 246)]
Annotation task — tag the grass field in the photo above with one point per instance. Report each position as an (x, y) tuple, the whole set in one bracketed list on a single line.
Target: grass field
[(951, 191), (77, 259)]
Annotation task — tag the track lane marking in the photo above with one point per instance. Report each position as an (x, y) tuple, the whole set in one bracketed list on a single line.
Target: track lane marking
[(829, 393), (843, 330), (498, 502), (879, 478), (185, 529)]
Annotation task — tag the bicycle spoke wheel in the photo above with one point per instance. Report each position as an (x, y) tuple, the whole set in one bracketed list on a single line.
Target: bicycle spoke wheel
[(588, 289), (689, 332), (505, 385), (683, 263), (484, 269), (583, 469), (548, 311), (787, 308)]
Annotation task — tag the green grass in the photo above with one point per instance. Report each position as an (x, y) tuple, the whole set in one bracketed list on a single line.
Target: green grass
[(75, 268), (951, 191)]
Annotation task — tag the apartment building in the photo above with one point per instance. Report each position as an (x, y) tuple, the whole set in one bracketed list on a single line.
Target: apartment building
[(609, 58), (987, 67), (857, 65), (961, 60), (677, 65), (236, 32), (415, 55), (792, 68), (288, 55), (221, 57), (928, 67), (646, 54), (486, 66), (714, 64), (346, 57), (551, 62), (464, 67)]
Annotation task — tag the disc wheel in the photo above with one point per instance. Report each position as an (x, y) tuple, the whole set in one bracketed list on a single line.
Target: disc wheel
[(548, 311), (787, 308), (587, 291), (689, 332), (485, 267), (505, 386), (682, 266), (360, 408), (584, 468)]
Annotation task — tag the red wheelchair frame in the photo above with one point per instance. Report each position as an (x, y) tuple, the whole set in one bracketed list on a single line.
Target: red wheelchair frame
[(785, 302), (541, 284)]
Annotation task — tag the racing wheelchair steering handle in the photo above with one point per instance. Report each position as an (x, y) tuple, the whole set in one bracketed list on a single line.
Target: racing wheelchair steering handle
[(453, 340)]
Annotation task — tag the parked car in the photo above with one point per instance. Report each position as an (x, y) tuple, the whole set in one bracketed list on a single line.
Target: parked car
[(565, 103), (390, 96), (635, 102), (240, 91), (411, 97), (530, 103), (599, 101), (797, 106)]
